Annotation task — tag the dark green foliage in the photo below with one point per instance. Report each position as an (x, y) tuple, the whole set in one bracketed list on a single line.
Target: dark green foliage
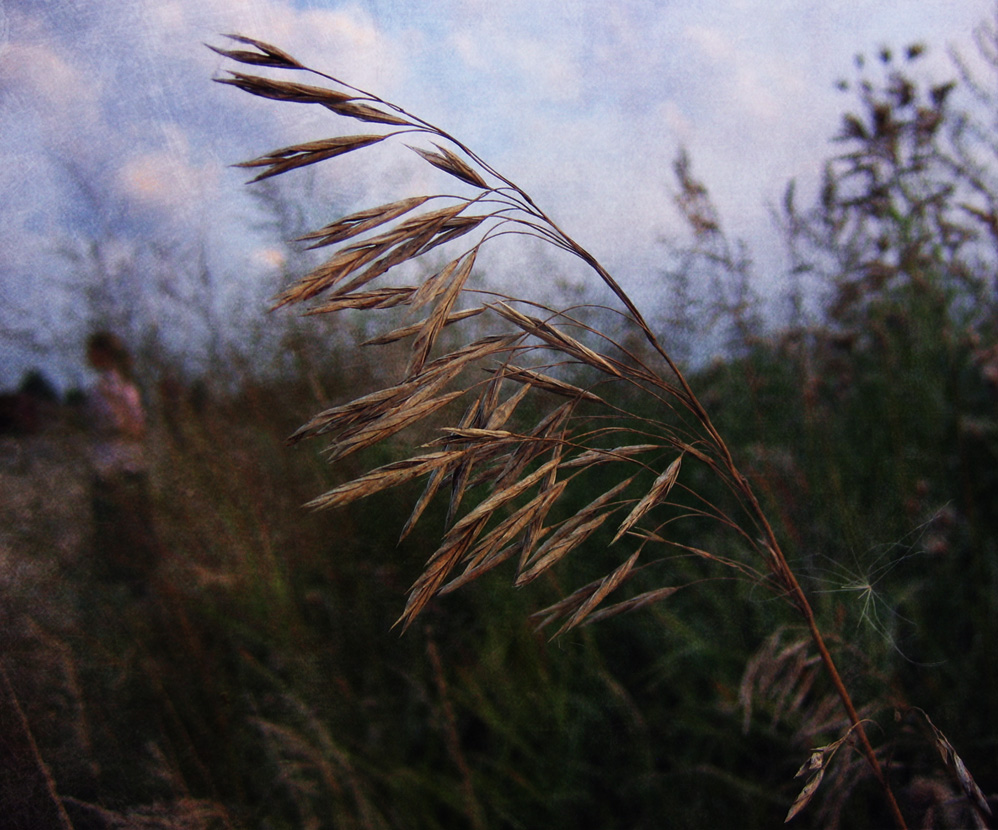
[(265, 675)]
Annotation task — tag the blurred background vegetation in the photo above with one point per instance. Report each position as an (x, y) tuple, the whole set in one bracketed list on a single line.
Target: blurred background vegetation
[(260, 684)]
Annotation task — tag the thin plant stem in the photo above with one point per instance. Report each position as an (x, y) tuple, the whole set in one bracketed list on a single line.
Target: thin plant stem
[(480, 438)]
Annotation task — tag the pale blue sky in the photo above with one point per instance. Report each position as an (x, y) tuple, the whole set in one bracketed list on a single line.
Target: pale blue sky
[(583, 103)]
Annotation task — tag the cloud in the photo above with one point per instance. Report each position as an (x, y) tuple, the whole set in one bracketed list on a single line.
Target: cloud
[(711, 42), (38, 77), (584, 103), (551, 69), (752, 83), (270, 258), (167, 180)]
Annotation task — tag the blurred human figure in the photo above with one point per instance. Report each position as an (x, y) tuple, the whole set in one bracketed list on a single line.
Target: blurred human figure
[(126, 547)]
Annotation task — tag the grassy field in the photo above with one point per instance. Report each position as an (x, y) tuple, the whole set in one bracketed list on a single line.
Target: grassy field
[(260, 684), (815, 515)]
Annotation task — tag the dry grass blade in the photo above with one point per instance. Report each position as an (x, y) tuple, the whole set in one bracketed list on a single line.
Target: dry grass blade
[(361, 221), (267, 56), (381, 298), (548, 383), (659, 491), (390, 475), (814, 767), (570, 534), (451, 163), (557, 339), (427, 336), (497, 546), (301, 155), (408, 331), (603, 589), (954, 763)]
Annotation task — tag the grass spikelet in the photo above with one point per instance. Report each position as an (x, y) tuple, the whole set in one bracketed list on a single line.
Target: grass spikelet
[(814, 767), (427, 336), (266, 55), (498, 545), (381, 298), (572, 533), (408, 331), (640, 601), (391, 475), (603, 588), (449, 162), (285, 91), (956, 767), (301, 155), (659, 491), (361, 222), (548, 383)]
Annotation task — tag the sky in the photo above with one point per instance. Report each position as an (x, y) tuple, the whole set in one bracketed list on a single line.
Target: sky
[(111, 129)]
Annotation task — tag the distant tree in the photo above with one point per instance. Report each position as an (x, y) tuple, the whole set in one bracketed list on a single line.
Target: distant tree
[(895, 221)]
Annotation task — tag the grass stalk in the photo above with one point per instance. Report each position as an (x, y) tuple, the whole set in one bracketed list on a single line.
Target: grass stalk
[(488, 453), (472, 805)]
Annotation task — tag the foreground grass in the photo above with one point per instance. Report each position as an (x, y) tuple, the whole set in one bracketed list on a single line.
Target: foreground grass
[(260, 684)]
